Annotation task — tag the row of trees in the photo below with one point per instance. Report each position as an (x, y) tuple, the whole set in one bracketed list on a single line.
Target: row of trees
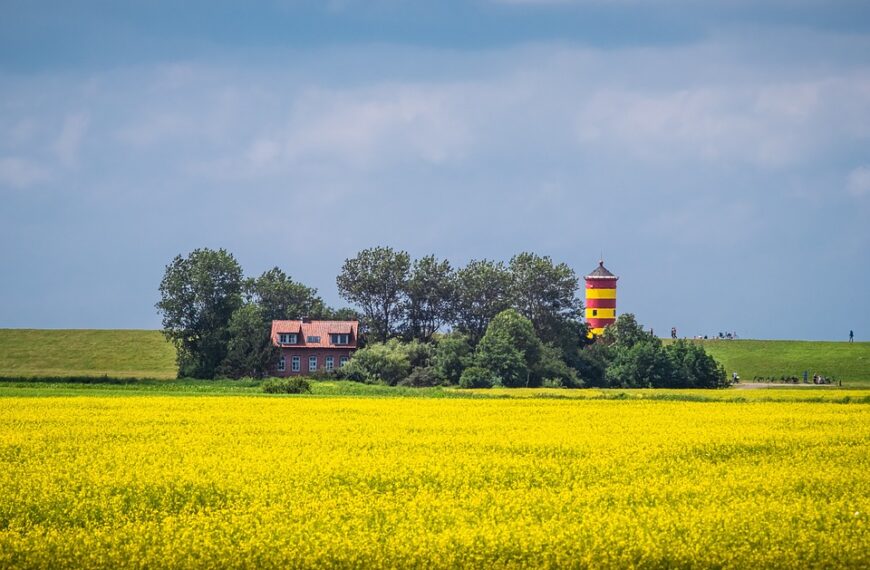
[(220, 321), (511, 354), (401, 298)]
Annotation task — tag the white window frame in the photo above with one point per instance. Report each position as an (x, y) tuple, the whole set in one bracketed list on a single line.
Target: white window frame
[(282, 364), (312, 339), (295, 364), (343, 360), (287, 338), (341, 338), (330, 363), (312, 364)]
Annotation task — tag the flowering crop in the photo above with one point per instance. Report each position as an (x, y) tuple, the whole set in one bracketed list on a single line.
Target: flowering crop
[(178, 482)]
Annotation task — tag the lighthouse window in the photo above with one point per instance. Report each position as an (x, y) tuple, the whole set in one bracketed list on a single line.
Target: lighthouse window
[(594, 312)]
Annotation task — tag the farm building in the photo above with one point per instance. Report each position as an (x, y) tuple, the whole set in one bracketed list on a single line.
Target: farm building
[(307, 346)]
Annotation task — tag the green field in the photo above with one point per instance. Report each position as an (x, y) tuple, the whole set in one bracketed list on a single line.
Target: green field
[(58, 353), (849, 362), (28, 353)]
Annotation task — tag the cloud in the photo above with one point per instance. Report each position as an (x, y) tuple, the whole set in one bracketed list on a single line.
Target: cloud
[(858, 183), (69, 141), (21, 172)]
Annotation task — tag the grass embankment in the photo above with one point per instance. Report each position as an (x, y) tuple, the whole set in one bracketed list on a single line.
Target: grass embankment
[(66, 353), (849, 362)]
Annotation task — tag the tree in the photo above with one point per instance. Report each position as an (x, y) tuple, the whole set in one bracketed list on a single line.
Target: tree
[(375, 280), (387, 363), (694, 368), (481, 293), (625, 332), (452, 356), (198, 295), (429, 293), (510, 348), (643, 365), (281, 298), (250, 352), (545, 293)]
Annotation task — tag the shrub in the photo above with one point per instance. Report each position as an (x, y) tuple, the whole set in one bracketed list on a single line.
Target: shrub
[(551, 370), (477, 377), (452, 356), (422, 377), (293, 385), (498, 355), (386, 362)]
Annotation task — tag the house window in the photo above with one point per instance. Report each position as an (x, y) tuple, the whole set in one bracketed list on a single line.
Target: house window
[(287, 338), (295, 364), (282, 364), (312, 339), (312, 363), (340, 338), (330, 362), (342, 361)]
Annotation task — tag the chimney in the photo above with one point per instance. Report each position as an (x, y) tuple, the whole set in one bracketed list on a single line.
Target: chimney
[(306, 319)]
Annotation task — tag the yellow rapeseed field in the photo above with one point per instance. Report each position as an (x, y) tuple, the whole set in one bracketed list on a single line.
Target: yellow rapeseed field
[(259, 482)]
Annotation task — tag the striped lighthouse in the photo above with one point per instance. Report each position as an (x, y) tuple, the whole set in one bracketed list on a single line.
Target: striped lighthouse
[(600, 298)]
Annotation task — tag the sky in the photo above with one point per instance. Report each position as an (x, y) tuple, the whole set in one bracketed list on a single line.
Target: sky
[(716, 153)]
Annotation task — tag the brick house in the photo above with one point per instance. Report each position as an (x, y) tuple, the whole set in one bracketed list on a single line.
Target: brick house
[(307, 346)]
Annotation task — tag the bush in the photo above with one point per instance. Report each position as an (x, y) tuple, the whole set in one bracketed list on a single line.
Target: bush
[(423, 377), (388, 362), (477, 377), (293, 385), (452, 356), (551, 370)]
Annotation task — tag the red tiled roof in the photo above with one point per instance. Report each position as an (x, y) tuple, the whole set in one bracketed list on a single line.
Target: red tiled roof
[(316, 329)]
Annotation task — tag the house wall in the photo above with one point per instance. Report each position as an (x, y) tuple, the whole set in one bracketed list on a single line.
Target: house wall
[(303, 353)]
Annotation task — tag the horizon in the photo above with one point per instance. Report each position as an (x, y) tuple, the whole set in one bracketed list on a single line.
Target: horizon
[(717, 155)]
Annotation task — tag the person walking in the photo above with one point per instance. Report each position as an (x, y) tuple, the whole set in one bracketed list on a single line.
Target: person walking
[(851, 336)]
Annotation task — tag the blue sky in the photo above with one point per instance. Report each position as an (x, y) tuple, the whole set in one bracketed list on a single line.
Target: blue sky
[(718, 153)]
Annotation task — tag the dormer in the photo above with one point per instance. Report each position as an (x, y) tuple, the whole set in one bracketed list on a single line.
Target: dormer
[(288, 338)]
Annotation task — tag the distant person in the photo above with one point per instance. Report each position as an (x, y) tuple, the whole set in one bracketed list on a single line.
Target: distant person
[(805, 377), (734, 377), (851, 336)]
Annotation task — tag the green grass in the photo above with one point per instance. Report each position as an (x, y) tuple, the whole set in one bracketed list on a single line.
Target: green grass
[(849, 362), (117, 353), (114, 387)]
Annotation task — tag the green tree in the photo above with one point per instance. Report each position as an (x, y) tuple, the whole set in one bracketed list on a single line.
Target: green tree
[(625, 332), (281, 298), (552, 370), (545, 293), (429, 292), (481, 293), (381, 362), (250, 352), (510, 349), (694, 368), (452, 355), (643, 365), (198, 295), (375, 280)]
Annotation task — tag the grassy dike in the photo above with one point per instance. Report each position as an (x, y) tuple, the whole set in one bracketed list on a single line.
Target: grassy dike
[(78, 352), (849, 362)]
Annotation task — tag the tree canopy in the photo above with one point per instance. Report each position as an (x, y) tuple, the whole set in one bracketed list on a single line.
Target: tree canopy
[(198, 295)]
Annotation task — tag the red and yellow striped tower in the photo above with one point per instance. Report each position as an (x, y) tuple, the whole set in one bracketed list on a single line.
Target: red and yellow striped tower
[(600, 298)]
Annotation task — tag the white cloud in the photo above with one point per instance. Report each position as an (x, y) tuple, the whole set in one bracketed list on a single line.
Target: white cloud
[(69, 141), (21, 172), (858, 183)]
